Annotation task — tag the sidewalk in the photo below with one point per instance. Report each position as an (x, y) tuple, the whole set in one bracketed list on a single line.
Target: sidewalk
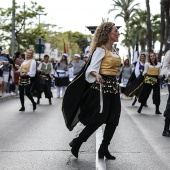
[(7, 97)]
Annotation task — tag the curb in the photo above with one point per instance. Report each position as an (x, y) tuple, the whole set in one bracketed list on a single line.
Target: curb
[(2, 99)]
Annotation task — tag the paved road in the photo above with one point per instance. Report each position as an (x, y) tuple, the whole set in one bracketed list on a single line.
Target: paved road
[(39, 140)]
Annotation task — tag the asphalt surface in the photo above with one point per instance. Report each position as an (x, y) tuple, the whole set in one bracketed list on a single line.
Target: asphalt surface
[(39, 140)]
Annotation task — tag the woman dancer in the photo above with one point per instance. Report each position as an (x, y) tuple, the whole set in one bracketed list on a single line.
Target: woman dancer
[(139, 68), (151, 82), (98, 100), (26, 79)]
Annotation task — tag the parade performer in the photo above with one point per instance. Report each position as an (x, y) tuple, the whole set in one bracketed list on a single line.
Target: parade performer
[(139, 78), (93, 96), (61, 75), (166, 72), (26, 79), (151, 82), (46, 72), (136, 79)]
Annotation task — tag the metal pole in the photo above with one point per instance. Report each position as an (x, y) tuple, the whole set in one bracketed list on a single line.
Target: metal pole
[(40, 49), (39, 20), (13, 29), (24, 16)]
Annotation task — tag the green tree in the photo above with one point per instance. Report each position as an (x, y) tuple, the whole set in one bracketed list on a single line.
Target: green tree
[(23, 23), (128, 10)]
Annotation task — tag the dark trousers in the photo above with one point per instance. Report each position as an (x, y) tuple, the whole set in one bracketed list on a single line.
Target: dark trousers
[(46, 89), (146, 90), (91, 128), (25, 90), (167, 110)]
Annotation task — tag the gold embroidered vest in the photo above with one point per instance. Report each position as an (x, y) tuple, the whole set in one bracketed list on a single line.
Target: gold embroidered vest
[(26, 67), (153, 71), (109, 64)]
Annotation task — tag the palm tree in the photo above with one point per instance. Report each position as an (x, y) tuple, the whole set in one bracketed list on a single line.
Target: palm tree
[(167, 17), (149, 31), (127, 9), (162, 31), (165, 26), (137, 28)]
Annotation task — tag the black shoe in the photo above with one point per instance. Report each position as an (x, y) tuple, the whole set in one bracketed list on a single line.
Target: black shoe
[(22, 109), (38, 101), (134, 102), (139, 110), (75, 147), (166, 133), (145, 105), (34, 106), (50, 102), (104, 152), (158, 112)]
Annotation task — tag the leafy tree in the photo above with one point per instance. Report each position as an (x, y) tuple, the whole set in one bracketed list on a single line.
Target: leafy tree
[(23, 22), (128, 10), (126, 7)]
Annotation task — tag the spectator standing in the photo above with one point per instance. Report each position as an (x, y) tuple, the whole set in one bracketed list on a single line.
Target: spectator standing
[(5, 76), (77, 64), (19, 59), (125, 73)]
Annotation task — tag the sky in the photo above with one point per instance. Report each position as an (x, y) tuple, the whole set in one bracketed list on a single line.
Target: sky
[(75, 15)]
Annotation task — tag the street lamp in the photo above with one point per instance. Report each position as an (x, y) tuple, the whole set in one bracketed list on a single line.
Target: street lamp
[(39, 17), (92, 28), (39, 47)]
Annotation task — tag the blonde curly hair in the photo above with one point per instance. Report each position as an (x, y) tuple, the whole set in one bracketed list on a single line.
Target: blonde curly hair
[(101, 35)]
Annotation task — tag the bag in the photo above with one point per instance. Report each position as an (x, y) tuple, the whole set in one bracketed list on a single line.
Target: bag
[(16, 77)]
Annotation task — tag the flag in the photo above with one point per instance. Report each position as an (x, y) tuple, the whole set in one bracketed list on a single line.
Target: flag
[(135, 57), (65, 50)]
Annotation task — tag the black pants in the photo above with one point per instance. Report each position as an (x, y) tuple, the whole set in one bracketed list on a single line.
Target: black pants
[(91, 128), (46, 89), (167, 110), (25, 90), (146, 90)]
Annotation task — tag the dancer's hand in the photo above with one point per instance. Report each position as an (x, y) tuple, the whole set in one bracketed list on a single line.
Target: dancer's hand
[(98, 77)]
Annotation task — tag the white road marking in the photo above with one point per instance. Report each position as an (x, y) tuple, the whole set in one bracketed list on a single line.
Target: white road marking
[(100, 163)]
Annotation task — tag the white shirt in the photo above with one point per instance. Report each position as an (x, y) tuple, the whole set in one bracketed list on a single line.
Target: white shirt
[(97, 57), (148, 65), (166, 65), (137, 71), (32, 70)]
